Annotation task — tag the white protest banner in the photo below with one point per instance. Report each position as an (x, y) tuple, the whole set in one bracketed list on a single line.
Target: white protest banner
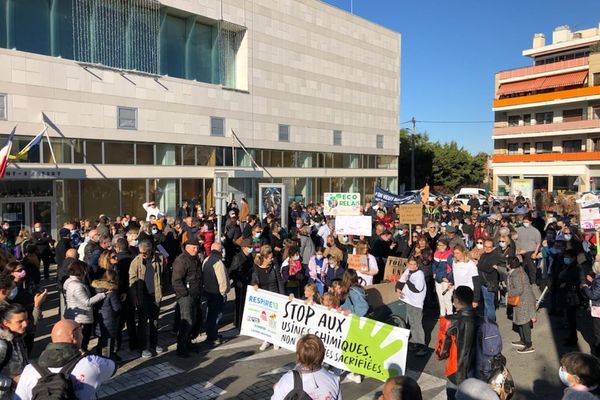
[(341, 204), (357, 344), (525, 186), (350, 225), (590, 218)]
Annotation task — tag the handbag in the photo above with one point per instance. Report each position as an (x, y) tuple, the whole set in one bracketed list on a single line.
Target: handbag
[(514, 301)]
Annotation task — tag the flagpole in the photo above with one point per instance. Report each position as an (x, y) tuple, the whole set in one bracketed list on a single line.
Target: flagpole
[(50, 144)]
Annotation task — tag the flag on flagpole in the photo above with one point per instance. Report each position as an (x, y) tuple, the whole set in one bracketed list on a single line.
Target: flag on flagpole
[(25, 150), (5, 152)]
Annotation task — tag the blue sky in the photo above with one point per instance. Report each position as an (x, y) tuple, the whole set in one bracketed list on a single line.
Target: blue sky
[(451, 50)]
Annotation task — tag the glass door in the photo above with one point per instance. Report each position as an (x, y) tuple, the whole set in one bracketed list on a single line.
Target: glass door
[(41, 211), (25, 212), (14, 213)]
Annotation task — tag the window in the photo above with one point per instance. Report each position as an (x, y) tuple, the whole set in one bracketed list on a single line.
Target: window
[(544, 118), (571, 146), (597, 79), (526, 119), (172, 47), (513, 148), (596, 112), (337, 137), (93, 152), (543, 147), (513, 120), (379, 142), (127, 118), (118, 153), (189, 154), (284, 133), (3, 106), (595, 144), (526, 148), (217, 126), (572, 115), (144, 154)]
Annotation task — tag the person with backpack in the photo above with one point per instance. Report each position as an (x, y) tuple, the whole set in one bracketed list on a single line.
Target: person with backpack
[(308, 380), (457, 348), (13, 353), (56, 374)]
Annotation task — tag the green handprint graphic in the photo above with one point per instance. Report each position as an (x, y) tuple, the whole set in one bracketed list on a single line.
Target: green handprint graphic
[(362, 352)]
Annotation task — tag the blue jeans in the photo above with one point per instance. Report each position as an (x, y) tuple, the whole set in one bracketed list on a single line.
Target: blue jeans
[(214, 303), (489, 305)]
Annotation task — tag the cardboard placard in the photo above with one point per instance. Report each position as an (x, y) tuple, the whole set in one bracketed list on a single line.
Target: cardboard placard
[(410, 214), (359, 262), (394, 267), (381, 294), (465, 207)]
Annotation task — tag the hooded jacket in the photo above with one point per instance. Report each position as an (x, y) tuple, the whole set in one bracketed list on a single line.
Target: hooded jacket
[(12, 349), (107, 324)]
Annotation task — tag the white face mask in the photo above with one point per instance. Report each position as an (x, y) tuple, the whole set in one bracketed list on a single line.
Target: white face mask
[(296, 258), (38, 229), (319, 256), (479, 246)]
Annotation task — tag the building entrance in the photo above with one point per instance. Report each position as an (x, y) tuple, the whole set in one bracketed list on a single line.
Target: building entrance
[(23, 212)]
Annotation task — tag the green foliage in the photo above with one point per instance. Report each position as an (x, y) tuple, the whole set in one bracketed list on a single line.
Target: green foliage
[(438, 164)]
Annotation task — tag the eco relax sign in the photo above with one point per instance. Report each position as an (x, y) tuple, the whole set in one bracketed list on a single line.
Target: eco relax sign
[(356, 344), (341, 204)]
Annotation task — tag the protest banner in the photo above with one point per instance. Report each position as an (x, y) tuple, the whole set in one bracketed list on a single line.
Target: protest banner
[(394, 267), (410, 214), (389, 199), (525, 186), (590, 218), (351, 225), (465, 207), (356, 344), (359, 262), (341, 204)]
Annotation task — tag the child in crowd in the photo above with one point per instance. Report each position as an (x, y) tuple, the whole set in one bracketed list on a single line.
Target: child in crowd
[(107, 325), (311, 295), (330, 301), (334, 270)]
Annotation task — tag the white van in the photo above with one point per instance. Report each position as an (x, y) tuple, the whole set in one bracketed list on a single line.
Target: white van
[(471, 191)]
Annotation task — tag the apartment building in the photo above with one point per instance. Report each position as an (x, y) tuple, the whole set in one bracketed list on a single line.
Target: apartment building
[(547, 116), (149, 97)]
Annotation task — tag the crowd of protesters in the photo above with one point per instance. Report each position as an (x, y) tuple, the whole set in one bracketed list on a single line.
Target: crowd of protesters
[(465, 263)]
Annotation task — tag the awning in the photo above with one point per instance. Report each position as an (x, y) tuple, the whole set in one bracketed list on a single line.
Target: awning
[(546, 82)]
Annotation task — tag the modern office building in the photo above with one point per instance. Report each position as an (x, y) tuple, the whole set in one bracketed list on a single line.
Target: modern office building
[(547, 116), (149, 96)]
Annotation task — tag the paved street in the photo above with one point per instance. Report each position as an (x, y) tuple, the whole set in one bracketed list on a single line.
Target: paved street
[(238, 370)]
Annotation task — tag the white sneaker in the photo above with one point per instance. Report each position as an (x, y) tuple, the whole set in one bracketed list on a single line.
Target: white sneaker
[(276, 347), (356, 378), (264, 346)]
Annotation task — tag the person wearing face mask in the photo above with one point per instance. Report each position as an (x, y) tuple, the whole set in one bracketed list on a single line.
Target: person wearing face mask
[(13, 325), (580, 372), (317, 269), (42, 240), (591, 289), (240, 272), (524, 313), (63, 244), (332, 248), (529, 242), (568, 281)]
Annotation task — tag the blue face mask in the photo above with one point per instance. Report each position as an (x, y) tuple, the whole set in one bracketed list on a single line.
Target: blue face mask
[(568, 237), (87, 239), (562, 374), (13, 293), (135, 243), (73, 231), (154, 231), (526, 224), (568, 261)]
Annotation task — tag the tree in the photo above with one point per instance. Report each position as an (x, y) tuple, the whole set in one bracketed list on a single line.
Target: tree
[(423, 158)]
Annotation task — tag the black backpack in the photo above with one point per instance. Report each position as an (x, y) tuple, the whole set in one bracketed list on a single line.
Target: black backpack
[(298, 392), (55, 386)]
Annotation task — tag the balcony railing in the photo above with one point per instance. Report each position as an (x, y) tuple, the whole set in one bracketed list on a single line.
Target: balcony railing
[(546, 97), (560, 126), (540, 69), (547, 157)]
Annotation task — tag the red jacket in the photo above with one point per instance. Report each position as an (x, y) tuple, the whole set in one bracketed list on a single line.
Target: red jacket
[(209, 239)]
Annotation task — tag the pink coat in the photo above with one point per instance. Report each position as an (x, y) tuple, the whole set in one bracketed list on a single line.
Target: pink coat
[(312, 267)]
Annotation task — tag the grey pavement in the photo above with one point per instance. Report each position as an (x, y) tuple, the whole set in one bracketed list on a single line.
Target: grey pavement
[(238, 370)]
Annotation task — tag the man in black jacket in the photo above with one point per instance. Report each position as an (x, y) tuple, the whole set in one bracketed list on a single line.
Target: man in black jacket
[(460, 334), (488, 264), (241, 274), (187, 284), (127, 314), (42, 240)]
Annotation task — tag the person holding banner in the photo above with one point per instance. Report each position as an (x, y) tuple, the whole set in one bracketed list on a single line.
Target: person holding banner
[(317, 269), (266, 275), (309, 376)]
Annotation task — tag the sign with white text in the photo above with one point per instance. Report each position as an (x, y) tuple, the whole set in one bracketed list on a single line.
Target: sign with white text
[(358, 226), (356, 344)]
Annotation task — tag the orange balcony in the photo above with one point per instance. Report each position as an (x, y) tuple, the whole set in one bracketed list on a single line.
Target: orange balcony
[(550, 96), (540, 69), (547, 157), (561, 126)]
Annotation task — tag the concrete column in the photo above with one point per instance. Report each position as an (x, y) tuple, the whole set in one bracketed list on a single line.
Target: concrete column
[(550, 183)]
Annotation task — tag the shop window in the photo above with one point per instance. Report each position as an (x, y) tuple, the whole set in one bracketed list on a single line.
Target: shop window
[(337, 137), (513, 120), (144, 154), (93, 152), (543, 147), (118, 153), (217, 126), (284, 133), (513, 148), (572, 115), (571, 146), (127, 118)]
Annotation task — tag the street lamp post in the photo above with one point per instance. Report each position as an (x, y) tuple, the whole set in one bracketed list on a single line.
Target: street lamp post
[(412, 154)]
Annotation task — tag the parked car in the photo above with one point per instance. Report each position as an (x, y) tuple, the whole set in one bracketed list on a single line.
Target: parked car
[(464, 198)]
